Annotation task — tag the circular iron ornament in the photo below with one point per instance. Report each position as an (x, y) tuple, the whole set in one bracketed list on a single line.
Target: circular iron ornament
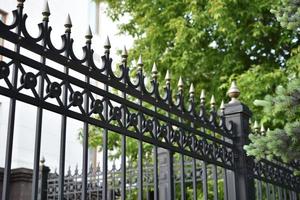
[(116, 113), (28, 80), (54, 90), (149, 125), (163, 130), (97, 106), (133, 119), (177, 135), (76, 98), (4, 70)]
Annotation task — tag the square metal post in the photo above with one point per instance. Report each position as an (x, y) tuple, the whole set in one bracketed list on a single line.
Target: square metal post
[(241, 182)]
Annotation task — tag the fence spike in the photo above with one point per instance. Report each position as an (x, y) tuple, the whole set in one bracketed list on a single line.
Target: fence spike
[(140, 61), (168, 77), (202, 96), (154, 71), (180, 84), (89, 34), (212, 101), (222, 106), (262, 129), (192, 90), (256, 127), (46, 11), (233, 92), (124, 52), (107, 43), (68, 23)]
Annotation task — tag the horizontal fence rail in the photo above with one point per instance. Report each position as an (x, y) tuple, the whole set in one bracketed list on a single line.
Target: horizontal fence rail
[(195, 150)]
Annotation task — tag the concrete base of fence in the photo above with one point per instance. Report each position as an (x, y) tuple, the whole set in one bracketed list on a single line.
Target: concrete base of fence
[(21, 180)]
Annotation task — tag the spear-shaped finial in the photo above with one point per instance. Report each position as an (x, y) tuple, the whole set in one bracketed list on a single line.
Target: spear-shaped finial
[(202, 96), (233, 92), (46, 11), (68, 23), (256, 126), (140, 63), (192, 90), (107, 43), (154, 71), (212, 101), (222, 106), (89, 34), (262, 129), (168, 77), (180, 84), (124, 52), (124, 55)]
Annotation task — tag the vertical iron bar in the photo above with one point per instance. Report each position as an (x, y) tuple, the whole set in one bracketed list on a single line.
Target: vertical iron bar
[(215, 179), (268, 191), (140, 145), (123, 140), (155, 158), (279, 193), (171, 178), (273, 192), (259, 189), (85, 142), (194, 168), (39, 117), (284, 194), (85, 146), (182, 175), (105, 131), (11, 115), (204, 180), (63, 133), (182, 178), (225, 184)]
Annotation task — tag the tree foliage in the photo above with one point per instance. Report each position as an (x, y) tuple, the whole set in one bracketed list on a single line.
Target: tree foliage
[(210, 42), (282, 110)]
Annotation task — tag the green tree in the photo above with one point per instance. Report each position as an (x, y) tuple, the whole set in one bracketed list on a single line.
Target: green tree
[(210, 42), (282, 111)]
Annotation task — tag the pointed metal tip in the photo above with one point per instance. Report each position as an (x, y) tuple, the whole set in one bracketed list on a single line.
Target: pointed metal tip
[(233, 91), (89, 34), (168, 76), (107, 43), (140, 61), (202, 96), (262, 128), (180, 83), (192, 89), (255, 126), (68, 23), (212, 100), (154, 71), (124, 52), (154, 68), (46, 10), (222, 106)]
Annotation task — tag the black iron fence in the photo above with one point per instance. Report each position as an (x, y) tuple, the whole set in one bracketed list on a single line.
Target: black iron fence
[(209, 139)]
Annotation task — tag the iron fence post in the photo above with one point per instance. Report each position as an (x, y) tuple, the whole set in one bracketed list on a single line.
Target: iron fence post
[(241, 181)]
